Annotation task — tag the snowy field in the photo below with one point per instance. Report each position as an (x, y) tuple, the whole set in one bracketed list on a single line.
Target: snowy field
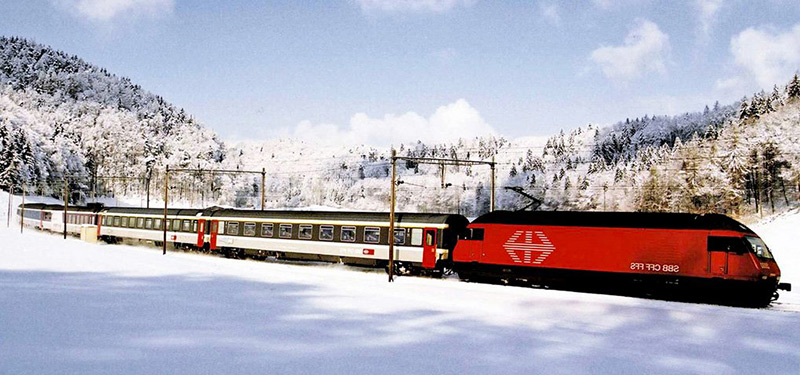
[(75, 308)]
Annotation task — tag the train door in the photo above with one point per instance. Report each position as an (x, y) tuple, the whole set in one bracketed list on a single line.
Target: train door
[(429, 248), (718, 263), (719, 251), (99, 220), (201, 233), (476, 250), (214, 226)]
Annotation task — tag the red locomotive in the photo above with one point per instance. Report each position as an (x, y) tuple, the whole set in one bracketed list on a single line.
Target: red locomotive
[(711, 257)]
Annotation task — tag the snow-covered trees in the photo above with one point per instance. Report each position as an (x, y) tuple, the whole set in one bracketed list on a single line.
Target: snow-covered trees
[(61, 117), (65, 117), (793, 88)]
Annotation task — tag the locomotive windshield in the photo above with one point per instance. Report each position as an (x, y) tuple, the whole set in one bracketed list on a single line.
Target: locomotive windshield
[(758, 247)]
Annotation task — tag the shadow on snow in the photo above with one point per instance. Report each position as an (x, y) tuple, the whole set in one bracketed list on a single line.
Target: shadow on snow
[(103, 323)]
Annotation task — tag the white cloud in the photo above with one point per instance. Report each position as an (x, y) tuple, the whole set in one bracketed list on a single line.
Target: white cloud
[(731, 84), (436, 6), (448, 122), (707, 12), (550, 12), (766, 56), (644, 50), (106, 10)]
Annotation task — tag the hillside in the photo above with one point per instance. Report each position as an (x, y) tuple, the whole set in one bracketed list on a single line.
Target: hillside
[(740, 159), (61, 116)]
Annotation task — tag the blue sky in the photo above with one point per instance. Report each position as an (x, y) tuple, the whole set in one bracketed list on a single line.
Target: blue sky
[(364, 68)]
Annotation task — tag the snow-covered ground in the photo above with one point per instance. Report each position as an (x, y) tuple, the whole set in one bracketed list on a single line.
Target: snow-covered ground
[(71, 307)]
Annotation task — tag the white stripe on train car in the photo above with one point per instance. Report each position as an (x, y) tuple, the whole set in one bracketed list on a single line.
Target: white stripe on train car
[(354, 250)]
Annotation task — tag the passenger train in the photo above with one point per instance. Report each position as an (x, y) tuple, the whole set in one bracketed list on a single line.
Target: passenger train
[(707, 258)]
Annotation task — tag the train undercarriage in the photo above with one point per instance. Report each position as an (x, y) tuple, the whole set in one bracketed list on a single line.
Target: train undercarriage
[(671, 288)]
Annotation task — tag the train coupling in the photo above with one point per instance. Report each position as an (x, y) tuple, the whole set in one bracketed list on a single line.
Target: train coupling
[(785, 286)]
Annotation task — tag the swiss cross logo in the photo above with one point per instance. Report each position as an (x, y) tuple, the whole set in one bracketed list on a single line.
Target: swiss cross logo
[(528, 247), (368, 252)]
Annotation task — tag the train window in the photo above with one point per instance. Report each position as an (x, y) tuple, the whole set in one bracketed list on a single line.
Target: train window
[(194, 226), (726, 244), (187, 225), (399, 236), (758, 247), (221, 227), (157, 224), (430, 238), (249, 229), (475, 234), (124, 222), (266, 229), (285, 231), (116, 221), (140, 223), (416, 237), (233, 228), (148, 224), (169, 223), (176, 225), (348, 234), (305, 232), (372, 235), (326, 232)]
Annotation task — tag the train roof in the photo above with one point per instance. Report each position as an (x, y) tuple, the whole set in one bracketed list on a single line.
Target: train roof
[(434, 218), (225, 213), (58, 207), (152, 211), (650, 220), (34, 206)]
